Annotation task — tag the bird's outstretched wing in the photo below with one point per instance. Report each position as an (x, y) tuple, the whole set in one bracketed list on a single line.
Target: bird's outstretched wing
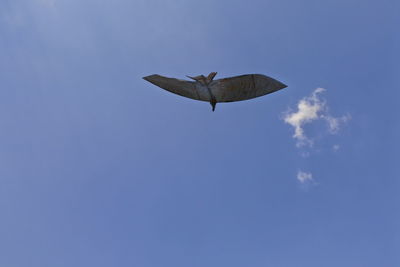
[(180, 87), (244, 87)]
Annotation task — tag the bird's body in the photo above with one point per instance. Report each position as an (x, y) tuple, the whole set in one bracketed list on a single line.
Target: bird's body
[(232, 89)]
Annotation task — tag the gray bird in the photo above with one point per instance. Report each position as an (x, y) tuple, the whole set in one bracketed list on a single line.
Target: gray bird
[(231, 89)]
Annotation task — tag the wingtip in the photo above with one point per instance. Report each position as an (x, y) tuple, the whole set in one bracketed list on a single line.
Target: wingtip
[(149, 78), (280, 85)]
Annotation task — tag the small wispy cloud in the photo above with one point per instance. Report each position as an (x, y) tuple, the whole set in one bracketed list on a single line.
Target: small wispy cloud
[(309, 109), (334, 123), (304, 177)]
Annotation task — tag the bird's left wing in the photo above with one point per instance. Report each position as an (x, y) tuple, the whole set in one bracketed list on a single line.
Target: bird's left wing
[(176, 86)]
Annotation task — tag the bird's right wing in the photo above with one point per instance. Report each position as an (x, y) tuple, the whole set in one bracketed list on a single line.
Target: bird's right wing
[(244, 87), (176, 86)]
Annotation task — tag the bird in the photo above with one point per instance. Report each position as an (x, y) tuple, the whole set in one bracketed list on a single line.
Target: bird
[(207, 89)]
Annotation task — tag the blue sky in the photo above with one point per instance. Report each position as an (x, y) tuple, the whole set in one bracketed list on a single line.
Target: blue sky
[(100, 168)]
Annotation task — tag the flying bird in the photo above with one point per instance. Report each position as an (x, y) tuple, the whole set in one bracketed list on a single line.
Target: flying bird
[(231, 89)]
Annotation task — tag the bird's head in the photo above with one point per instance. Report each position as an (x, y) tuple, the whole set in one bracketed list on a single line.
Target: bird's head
[(202, 79)]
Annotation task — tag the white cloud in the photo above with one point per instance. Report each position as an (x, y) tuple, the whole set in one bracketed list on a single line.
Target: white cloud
[(304, 177), (336, 147), (334, 123), (309, 109)]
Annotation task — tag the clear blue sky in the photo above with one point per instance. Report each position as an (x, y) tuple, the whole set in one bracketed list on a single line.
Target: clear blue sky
[(100, 168)]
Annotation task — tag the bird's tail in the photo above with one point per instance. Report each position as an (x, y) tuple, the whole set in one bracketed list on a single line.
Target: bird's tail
[(213, 104)]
